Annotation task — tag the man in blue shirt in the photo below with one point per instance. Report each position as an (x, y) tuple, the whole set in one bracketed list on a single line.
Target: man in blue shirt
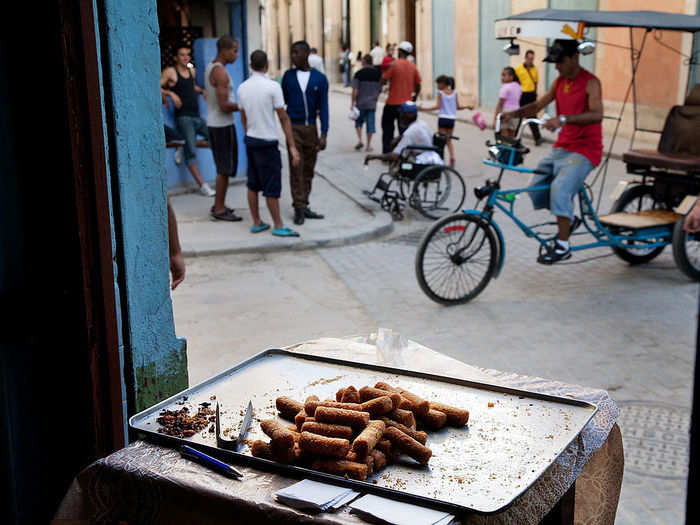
[(306, 96)]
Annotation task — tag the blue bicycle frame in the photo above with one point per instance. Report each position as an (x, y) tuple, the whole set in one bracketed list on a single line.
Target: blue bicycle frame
[(504, 200)]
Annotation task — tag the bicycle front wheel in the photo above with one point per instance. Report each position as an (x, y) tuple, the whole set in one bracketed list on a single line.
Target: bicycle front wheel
[(456, 259)]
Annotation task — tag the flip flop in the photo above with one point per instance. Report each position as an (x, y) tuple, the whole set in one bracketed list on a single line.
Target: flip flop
[(257, 228), (284, 232), (358, 146)]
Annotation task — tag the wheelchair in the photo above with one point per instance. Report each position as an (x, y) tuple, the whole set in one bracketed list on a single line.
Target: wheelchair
[(434, 190)]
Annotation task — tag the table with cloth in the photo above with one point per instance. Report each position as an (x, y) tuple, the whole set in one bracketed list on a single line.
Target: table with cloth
[(148, 483)]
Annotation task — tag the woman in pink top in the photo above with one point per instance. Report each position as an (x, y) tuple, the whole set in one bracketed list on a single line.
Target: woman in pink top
[(508, 100)]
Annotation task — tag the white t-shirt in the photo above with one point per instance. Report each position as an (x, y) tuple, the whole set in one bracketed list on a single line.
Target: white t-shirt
[(316, 62), (377, 55), (419, 134), (259, 97), (303, 79)]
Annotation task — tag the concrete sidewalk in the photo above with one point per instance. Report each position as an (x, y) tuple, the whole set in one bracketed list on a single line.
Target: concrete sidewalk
[(346, 222)]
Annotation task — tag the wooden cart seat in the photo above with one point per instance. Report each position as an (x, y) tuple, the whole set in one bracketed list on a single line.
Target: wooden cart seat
[(654, 159), (640, 219)]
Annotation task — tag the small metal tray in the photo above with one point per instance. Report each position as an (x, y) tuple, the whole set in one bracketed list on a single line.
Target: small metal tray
[(512, 436)]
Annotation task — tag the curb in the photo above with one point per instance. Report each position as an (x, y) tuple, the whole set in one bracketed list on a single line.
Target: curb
[(184, 189), (381, 224)]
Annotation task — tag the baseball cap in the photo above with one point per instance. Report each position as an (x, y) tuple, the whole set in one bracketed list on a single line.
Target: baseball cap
[(409, 108), (406, 46), (561, 48)]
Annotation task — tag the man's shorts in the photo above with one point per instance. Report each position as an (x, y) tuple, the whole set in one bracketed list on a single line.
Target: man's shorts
[(264, 166), (224, 148), (446, 123), (368, 115), (566, 172)]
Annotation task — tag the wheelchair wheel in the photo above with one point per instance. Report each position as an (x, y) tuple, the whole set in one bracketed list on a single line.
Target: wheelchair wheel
[(686, 250), (437, 191), (456, 259), (637, 198)]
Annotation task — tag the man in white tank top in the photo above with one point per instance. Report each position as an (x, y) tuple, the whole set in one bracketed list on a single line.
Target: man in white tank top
[(222, 132)]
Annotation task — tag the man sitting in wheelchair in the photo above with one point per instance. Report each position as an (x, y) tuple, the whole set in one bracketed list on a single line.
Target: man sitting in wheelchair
[(417, 133), (579, 146)]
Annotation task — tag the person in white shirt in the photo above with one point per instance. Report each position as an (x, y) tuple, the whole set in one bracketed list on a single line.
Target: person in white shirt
[(259, 98), (417, 133), (315, 60), (377, 55)]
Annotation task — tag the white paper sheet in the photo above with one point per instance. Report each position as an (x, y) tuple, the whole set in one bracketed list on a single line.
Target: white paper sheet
[(399, 513)]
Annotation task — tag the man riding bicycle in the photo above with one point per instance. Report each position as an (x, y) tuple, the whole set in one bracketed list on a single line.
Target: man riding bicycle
[(579, 146)]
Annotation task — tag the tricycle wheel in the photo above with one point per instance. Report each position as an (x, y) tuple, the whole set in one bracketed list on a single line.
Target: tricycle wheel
[(637, 198), (456, 259), (686, 250)]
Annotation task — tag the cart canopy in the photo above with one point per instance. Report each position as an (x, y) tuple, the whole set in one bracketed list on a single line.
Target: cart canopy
[(569, 23)]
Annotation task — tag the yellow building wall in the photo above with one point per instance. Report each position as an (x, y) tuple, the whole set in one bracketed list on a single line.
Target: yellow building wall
[(359, 27), (422, 47), (314, 24), (296, 20), (467, 48), (284, 35), (331, 34), (538, 45)]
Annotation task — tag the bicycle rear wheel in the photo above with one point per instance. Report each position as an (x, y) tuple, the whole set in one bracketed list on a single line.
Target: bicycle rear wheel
[(456, 259), (437, 191)]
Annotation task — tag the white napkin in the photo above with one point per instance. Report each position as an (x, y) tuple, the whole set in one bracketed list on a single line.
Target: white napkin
[(399, 513), (312, 495)]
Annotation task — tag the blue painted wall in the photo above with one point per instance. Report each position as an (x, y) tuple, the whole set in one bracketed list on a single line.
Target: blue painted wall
[(443, 38), (158, 358), (492, 59)]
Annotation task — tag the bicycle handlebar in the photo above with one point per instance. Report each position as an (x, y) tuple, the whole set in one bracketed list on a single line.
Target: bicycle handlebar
[(524, 123)]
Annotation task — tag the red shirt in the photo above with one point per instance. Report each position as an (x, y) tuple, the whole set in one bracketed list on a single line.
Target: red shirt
[(571, 99), (385, 62), (403, 77)]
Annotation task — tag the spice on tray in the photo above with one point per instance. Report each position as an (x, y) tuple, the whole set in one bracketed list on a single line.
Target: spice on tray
[(179, 423)]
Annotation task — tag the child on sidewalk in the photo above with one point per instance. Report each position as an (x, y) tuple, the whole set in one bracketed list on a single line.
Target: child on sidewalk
[(448, 104), (508, 100)]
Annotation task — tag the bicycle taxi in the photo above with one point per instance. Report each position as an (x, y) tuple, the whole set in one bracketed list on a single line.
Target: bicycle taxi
[(461, 253)]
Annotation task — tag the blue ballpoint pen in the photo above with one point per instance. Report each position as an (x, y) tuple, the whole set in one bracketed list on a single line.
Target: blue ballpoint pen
[(208, 461)]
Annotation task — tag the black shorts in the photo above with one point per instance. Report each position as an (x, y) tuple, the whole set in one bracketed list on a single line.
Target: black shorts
[(224, 147), (264, 166), (447, 123)]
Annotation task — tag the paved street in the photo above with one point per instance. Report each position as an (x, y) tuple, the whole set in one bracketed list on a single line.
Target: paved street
[(598, 322)]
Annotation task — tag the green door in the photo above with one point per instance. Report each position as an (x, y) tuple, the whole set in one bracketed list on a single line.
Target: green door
[(492, 59), (443, 38), (375, 22)]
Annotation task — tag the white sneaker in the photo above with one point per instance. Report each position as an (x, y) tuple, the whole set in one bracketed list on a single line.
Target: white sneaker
[(206, 190), (179, 152)]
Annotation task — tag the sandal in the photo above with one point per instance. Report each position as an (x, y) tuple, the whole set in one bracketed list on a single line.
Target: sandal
[(284, 232), (226, 215), (358, 146), (257, 228)]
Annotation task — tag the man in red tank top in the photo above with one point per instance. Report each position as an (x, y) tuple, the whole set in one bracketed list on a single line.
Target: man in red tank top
[(579, 147)]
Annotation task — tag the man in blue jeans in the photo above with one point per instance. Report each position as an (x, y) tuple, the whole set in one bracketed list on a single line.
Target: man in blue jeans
[(366, 86), (180, 81), (579, 146)]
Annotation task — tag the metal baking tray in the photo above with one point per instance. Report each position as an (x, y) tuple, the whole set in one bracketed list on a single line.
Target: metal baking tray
[(482, 467)]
